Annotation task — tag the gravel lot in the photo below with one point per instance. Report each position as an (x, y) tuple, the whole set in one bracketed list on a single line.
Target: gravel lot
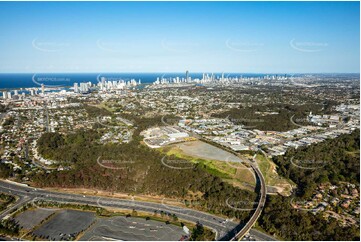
[(205, 151)]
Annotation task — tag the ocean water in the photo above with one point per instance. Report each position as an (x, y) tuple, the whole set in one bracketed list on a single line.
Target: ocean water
[(17, 81)]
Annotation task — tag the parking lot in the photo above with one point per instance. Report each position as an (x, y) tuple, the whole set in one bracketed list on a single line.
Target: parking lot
[(122, 228), (65, 225), (30, 218)]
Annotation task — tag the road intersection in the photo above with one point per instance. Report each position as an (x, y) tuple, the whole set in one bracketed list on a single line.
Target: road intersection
[(219, 225)]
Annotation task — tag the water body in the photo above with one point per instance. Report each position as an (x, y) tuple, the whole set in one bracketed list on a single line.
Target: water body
[(28, 80)]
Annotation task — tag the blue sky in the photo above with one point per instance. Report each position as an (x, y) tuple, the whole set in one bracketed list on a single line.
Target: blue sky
[(249, 37)]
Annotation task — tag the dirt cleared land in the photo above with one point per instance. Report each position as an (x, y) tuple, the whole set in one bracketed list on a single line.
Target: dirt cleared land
[(230, 168), (206, 151), (273, 180)]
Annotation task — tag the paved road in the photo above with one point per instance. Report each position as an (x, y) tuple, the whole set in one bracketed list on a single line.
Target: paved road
[(20, 202), (261, 203), (214, 222), (217, 224), (239, 231)]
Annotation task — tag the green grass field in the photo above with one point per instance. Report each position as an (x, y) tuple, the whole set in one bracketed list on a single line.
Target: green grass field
[(236, 174), (268, 169)]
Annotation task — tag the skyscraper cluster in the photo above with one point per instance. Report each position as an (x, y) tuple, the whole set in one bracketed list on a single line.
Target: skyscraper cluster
[(8, 94), (83, 87), (212, 78), (105, 85)]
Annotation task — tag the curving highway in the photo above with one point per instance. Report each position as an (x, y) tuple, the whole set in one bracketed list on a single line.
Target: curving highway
[(262, 195), (239, 231), (219, 225)]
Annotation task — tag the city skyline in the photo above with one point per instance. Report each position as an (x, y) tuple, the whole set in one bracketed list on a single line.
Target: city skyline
[(171, 37), (180, 121)]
